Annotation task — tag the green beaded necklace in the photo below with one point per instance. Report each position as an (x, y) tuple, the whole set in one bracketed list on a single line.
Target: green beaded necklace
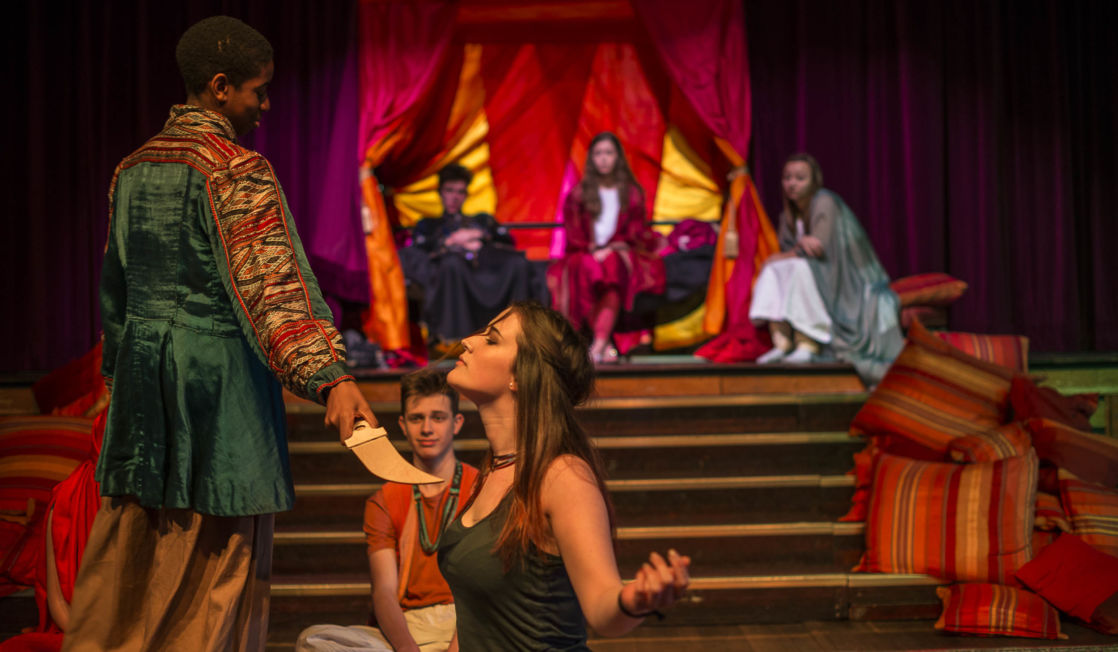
[(449, 507)]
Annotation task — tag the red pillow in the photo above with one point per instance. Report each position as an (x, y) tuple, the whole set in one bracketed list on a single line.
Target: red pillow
[(1010, 351), (1092, 511), (1028, 400), (936, 289), (995, 610), (1072, 575), (1091, 457)]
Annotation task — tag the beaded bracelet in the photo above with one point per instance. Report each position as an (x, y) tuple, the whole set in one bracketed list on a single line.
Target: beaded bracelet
[(621, 606)]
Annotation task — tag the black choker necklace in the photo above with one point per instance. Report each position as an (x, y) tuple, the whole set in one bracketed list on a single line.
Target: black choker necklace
[(501, 461)]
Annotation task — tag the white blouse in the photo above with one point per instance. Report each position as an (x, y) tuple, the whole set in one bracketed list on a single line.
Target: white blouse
[(606, 224)]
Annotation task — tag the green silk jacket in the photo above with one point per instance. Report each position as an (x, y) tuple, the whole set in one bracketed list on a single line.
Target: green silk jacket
[(207, 305)]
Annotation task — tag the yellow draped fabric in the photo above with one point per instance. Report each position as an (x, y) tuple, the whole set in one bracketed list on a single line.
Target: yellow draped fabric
[(741, 189)]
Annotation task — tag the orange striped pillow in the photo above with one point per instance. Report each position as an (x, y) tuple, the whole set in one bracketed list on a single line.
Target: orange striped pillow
[(1007, 350), (936, 289), (1050, 514), (1001, 443), (1092, 511), (965, 522), (994, 610), (933, 394), (36, 453)]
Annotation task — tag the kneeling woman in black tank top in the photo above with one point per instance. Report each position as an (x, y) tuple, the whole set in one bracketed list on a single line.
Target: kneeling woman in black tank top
[(530, 561)]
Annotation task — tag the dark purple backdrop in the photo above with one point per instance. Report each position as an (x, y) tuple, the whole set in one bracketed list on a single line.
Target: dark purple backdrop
[(970, 137)]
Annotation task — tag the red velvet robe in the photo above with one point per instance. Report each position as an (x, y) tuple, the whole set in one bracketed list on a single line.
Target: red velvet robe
[(577, 280)]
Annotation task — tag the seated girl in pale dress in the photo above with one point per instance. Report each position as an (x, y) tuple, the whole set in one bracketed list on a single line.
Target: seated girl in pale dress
[(826, 291)]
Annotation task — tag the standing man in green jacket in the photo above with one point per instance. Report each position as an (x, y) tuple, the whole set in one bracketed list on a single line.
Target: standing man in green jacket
[(208, 305)]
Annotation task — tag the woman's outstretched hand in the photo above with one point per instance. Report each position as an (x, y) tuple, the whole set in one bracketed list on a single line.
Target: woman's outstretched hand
[(658, 585)]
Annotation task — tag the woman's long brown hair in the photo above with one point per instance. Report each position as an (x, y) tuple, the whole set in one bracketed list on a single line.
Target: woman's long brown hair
[(621, 177), (553, 375)]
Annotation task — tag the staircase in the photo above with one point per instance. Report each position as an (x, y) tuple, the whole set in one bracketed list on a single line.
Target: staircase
[(749, 483), (742, 467)]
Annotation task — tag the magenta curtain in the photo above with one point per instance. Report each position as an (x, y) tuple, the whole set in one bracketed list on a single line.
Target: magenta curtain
[(402, 46), (704, 51)]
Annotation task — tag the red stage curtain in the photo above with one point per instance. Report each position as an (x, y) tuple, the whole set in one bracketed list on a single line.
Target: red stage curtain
[(402, 46), (527, 86), (704, 52)]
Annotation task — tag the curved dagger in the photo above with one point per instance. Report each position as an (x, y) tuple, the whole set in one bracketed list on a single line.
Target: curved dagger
[(381, 458)]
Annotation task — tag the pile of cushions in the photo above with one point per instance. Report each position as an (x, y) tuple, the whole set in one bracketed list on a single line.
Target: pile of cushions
[(973, 474), (39, 451), (36, 453)]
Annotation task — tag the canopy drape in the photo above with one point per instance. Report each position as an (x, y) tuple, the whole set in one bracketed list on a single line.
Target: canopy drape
[(977, 140), (402, 49), (704, 51)]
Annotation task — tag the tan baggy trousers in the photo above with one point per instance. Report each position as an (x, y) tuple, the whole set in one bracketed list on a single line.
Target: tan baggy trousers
[(171, 579)]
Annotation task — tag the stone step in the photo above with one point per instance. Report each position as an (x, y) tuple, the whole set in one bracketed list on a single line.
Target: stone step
[(300, 601), (735, 549), (630, 457), (707, 500)]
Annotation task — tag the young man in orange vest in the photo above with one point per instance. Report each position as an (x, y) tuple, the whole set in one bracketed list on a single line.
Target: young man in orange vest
[(412, 605)]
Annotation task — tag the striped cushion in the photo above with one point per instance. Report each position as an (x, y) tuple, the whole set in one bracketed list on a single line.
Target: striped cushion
[(1007, 350), (931, 395), (1050, 514), (1092, 511), (993, 610), (1090, 457), (965, 522), (1001, 443), (36, 453), (936, 289)]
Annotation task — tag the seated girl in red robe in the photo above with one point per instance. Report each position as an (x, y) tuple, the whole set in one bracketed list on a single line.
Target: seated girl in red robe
[(610, 253)]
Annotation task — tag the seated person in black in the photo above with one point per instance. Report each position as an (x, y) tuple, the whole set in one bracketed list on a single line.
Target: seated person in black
[(464, 269)]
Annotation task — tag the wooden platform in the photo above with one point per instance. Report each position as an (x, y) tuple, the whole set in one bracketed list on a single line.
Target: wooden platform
[(741, 466)]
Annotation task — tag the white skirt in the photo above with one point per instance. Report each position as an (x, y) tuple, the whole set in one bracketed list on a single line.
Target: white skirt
[(785, 291)]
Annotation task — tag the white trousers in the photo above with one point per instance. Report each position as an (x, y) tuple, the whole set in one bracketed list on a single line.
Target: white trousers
[(431, 627), (785, 291)]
